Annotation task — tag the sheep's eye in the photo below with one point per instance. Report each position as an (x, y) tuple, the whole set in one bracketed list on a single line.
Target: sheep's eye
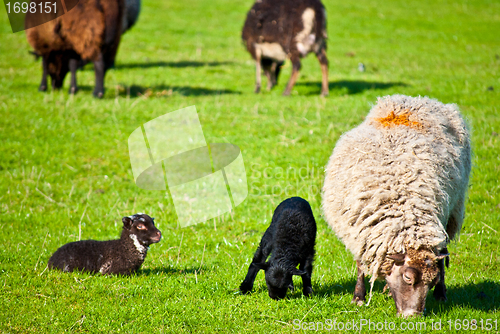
[(141, 227), (407, 279)]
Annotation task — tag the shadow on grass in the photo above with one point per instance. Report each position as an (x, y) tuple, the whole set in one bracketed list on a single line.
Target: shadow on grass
[(353, 87), (484, 296), (176, 64), (172, 271), (165, 90)]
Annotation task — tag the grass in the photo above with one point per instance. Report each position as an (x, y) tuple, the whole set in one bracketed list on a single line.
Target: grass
[(65, 170)]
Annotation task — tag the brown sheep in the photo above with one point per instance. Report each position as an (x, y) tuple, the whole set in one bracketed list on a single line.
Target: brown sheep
[(278, 29), (90, 31)]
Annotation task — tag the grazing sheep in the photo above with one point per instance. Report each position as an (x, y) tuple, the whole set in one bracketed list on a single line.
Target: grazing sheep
[(394, 193), (290, 238), (277, 29), (123, 256), (91, 31)]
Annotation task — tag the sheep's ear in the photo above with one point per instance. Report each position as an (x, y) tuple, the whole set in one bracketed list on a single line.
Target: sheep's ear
[(298, 272), (127, 222), (399, 259), (264, 266), (442, 256)]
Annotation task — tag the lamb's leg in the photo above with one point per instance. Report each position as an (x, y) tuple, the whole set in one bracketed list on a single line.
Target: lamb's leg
[(99, 76), (295, 74), (307, 266), (274, 73), (257, 72), (440, 288), (324, 71), (268, 73), (73, 66), (260, 256), (45, 70), (360, 290)]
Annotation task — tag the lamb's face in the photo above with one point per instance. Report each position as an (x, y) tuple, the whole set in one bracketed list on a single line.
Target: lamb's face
[(412, 276), (143, 227), (58, 68), (278, 280)]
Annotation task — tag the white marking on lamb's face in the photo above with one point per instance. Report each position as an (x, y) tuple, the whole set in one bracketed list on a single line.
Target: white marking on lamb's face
[(270, 50), (142, 220), (140, 248)]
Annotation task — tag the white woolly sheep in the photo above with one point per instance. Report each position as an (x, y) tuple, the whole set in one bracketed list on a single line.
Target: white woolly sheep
[(394, 193), (123, 256)]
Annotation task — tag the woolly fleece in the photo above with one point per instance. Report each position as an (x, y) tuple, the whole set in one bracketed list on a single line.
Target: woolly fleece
[(398, 181)]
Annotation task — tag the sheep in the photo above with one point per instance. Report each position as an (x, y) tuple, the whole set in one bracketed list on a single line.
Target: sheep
[(121, 257), (394, 193), (277, 29), (91, 31), (290, 238), (130, 14)]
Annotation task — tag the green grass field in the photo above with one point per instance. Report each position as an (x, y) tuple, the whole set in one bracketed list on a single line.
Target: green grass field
[(65, 170)]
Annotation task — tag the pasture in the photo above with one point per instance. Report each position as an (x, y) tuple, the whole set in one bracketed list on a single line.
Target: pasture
[(65, 171)]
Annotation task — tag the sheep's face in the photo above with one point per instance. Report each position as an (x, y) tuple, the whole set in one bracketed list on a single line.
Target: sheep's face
[(58, 67), (143, 227), (278, 280), (412, 276)]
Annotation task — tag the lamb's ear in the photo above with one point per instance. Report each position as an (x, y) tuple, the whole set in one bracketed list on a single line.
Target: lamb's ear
[(399, 259), (442, 255), (298, 272), (127, 222), (264, 266)]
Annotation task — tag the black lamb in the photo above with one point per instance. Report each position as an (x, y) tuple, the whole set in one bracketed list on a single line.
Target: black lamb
[(290, 238), (123, 256)]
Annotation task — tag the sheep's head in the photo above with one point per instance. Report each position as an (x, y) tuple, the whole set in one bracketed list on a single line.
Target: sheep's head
[(278, 279), (58, 67), (141, 227), (412, 275)]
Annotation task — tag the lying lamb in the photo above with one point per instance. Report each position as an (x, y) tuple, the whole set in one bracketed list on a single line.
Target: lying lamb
[(290, 238), (394, 193), (277, 29), (123, 256)]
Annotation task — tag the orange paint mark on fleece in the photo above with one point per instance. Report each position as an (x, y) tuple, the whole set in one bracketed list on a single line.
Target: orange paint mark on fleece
[(393, 120)]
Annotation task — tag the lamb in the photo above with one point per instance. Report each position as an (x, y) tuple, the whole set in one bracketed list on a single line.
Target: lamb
[(122, 257), (290, 238), (91, 31), (394, 193), (277, 29)]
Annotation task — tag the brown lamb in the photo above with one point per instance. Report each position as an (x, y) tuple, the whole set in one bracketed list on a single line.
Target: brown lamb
[(90, 32)]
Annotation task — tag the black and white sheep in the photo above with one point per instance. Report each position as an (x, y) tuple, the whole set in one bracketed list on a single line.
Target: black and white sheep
[(90, 32), (123, 256), (394, 193), (278, 29), (290, 240)]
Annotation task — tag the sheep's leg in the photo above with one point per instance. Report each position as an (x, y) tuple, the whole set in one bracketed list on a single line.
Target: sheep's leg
[(324, 71), (295, 74), (274, 73), (260, 256), (268, 73), (73, 66), (257, 72), (307, 266), (45, 70), (440, 288), (99, 76), (360, 290)]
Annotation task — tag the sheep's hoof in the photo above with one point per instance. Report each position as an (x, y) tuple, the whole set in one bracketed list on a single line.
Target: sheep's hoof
[(73, 90), (291, 287), (308, 291), (98, 94), (286, 93), (245, 288), (325, 94), (358, 300), (42, 88), (440, 293), (257, 90)]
